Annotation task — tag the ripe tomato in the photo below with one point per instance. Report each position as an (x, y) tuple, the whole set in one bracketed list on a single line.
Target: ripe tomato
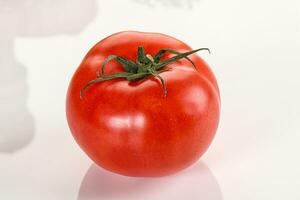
[(134, 126)]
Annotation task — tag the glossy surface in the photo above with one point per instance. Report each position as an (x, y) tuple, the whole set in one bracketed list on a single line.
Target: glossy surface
[(130, 127), (255, 55)]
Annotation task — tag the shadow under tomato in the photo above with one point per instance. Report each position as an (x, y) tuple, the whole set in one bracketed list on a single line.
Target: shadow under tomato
[(196, 182)]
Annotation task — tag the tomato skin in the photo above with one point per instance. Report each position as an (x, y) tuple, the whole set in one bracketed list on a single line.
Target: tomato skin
[(130, 127)]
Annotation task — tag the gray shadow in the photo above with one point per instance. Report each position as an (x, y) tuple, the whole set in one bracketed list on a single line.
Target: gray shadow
[(196, 182), (29, 18), (168, 3), (17, 126)]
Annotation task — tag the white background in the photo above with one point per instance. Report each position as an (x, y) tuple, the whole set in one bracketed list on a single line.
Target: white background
[(255, 56)]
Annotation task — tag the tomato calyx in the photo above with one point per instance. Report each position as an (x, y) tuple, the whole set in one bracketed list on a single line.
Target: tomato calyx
[(145, 65)]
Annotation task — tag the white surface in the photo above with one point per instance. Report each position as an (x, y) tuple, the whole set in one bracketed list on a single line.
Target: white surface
[(256, 59)]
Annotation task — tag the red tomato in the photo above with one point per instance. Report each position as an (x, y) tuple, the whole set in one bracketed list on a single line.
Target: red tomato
[(131, 127)]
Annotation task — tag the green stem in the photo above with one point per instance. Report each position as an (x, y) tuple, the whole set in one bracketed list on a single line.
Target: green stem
[(144, 66)]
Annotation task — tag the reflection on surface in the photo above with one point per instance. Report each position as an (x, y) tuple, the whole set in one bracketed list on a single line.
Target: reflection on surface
[(196, 182), (168, 3), (22, 19)]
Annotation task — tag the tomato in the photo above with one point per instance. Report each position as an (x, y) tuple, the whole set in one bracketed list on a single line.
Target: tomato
[(150, 120)]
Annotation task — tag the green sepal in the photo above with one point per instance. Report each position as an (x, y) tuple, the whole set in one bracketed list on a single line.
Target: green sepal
[(156, 74), (104, 78), (177, 57), (128, 65), (144, 66), (161, 52), (142, 59), (138, 76)]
